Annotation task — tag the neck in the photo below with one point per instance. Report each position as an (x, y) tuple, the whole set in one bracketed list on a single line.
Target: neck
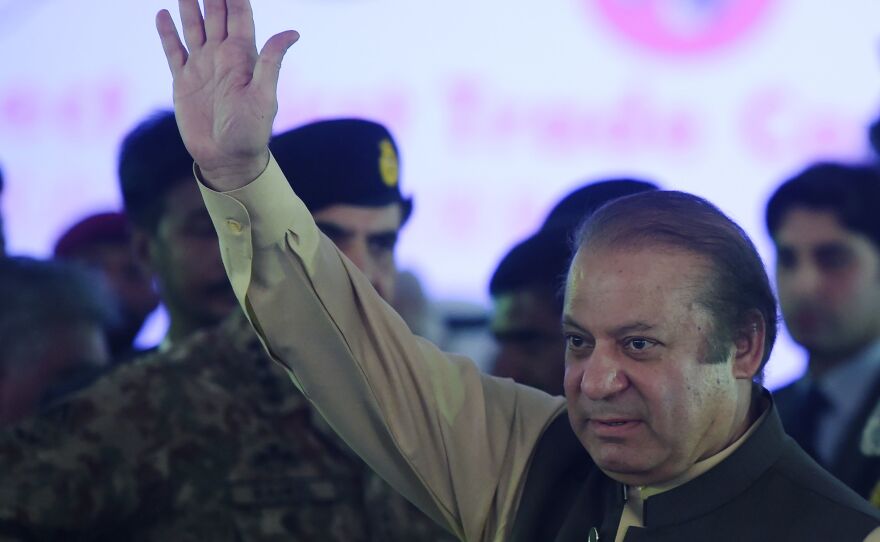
[(747, 412)]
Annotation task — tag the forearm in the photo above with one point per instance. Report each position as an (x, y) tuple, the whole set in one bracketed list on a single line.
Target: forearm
[(455, 442)]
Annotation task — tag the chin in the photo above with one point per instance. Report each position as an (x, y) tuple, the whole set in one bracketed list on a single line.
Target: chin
[(636, 472), (626, 464), (631, 475)]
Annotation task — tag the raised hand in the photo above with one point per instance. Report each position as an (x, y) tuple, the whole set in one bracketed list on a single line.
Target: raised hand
[(225, 94)]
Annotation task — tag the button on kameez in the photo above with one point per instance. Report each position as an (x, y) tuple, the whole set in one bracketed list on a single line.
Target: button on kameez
[(234, 225)]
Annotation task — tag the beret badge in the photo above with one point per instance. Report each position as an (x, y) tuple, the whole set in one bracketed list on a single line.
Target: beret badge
[(388, 167)]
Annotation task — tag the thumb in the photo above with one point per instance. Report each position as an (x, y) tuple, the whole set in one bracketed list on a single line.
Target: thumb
[(269, 62)]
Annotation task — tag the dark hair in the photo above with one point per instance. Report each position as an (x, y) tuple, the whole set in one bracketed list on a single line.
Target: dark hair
[(851, 192), (739, 285), (571, 211), (1, 180), (540, 261), (152, 161), (874, 136), (37, 294)]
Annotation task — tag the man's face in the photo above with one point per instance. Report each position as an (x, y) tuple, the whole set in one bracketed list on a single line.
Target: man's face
[(828, 279), (531, 351), (185, 256), (130, 280), (642, 398), (367, 236)]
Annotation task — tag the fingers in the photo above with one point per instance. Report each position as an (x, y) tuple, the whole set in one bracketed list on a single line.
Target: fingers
[(175, 53), (193, 25), (240, 19), (269, 63), (215, 20)]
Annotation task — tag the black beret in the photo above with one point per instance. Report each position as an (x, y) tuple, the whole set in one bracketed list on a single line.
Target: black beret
[(341, 161), (574, 208), (541, 260)]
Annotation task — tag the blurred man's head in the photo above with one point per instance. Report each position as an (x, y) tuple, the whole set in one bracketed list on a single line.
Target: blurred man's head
[(526, 289), (527, 310), (2, 234), (172, 230), (668, 318), (826, 227), (346, 171), (103, 242), (53, 319), (580, 204)]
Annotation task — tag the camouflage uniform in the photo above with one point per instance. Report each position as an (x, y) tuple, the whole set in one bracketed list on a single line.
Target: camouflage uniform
[(209, 441)]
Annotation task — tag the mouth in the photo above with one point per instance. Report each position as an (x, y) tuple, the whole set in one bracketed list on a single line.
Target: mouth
[(806, 318), (613, 427)]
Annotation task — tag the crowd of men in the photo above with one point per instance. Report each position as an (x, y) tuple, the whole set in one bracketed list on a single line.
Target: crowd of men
[(289, 401)]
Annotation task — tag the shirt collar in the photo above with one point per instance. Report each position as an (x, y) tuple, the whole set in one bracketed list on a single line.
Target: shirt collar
[(704, 465), (846, 384), (727, 477)]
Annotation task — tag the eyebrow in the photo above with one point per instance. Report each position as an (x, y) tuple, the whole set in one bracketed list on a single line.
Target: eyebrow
[(388, 235), (569, 321), (336, 231), (830, 246), (635, 326), (834, 244), (332, 230), (622, 330)]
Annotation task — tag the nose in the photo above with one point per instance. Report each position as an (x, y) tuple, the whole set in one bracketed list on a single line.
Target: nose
[(359, 254), (602, 376), (804, 280)]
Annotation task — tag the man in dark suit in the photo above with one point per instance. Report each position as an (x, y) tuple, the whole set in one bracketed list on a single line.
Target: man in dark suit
[(669, 317), (826, 228)]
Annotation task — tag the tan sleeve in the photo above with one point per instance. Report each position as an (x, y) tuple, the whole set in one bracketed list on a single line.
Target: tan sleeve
[(874, 536), (455, 442)]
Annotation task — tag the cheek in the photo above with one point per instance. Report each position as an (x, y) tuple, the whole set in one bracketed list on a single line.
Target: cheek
[(198, 256), (571, 380), (671, 399), (385, 287), (848, 286), (706, 393), (383, 275)]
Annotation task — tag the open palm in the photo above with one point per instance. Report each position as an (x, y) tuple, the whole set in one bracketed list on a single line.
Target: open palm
[(224, 92)]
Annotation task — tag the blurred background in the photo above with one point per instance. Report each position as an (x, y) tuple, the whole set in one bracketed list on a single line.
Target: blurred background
[(500, 107)]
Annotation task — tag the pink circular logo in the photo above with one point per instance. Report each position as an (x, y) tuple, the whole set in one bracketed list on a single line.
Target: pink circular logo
[(682, 27)]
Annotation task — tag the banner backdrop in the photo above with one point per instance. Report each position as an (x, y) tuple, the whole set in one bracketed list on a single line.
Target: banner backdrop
[(500, 107)]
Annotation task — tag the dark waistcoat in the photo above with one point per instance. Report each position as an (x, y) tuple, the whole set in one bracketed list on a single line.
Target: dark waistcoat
[(767, 489)]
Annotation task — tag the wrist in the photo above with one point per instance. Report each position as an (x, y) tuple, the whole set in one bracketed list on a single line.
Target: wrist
[(226, 177)]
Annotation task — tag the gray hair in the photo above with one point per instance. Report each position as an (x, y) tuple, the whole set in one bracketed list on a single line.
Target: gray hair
[(738, 286)]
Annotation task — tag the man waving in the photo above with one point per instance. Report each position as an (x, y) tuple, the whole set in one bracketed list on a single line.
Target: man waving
[(668, 320)]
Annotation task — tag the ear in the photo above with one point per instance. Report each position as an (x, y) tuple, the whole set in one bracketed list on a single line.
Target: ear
[(749, 343)]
